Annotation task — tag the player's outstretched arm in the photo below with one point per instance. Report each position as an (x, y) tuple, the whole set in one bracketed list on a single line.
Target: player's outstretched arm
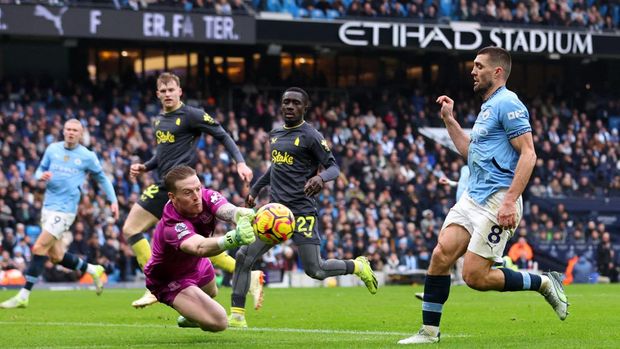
[(232, 214), (459, 137), (198, 245)]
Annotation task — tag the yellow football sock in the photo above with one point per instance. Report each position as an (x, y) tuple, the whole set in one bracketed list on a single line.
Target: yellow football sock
[(142, 250), (224, 261), (236, 311)]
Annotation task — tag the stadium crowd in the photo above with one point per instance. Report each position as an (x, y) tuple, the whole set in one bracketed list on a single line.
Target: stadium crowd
[(596, 15), (387, 203)]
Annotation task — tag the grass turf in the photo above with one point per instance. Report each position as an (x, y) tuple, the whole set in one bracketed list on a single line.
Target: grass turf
[(318, 318)]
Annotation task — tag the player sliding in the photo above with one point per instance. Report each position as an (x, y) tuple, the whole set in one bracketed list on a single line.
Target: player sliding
[(177, 130), (177, 273), (63, 168), (297, 151), (500, 155)]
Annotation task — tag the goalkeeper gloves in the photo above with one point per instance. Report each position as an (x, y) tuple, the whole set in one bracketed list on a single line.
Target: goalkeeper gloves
[(244, 212), (242, 235)]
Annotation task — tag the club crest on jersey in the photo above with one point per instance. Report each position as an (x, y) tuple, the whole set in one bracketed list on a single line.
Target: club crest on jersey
[(205, 218), (215, 197), (77, 162), (325, 145), (208, 119), (178, 122), (280, 158), (485, 114)]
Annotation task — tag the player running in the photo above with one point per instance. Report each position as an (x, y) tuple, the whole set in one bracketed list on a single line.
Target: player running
[(500, 156), (177, 130), (177, 274), (63, 168), (297, 151)]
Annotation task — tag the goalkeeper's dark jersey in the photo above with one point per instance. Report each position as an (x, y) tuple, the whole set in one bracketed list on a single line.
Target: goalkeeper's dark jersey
[(177, 134), (296, 154)]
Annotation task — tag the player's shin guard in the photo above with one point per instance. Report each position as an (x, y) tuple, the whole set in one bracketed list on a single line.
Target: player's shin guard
[(71, 261), (141, 248), (436, 291), (35, 269), (520, 280), (224, 261)]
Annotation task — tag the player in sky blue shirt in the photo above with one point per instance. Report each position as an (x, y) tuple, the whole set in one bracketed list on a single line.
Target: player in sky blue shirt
[(64, 167), (500, 156), (70, 168), (491, 158)]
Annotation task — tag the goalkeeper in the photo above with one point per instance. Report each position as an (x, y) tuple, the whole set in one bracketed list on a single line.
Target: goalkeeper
[(178, 273)]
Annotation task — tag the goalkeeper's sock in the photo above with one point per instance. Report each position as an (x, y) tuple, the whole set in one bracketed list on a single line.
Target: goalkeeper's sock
[(237, 313), (141, 248), (436, 292), (224, 261)]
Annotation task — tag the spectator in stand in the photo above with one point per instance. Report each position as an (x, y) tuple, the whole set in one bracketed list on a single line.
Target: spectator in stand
[(521, 253), (606, 257)]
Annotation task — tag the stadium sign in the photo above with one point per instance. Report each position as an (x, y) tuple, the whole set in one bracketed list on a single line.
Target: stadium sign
[(464, 36), (456, 36), (72, 22)]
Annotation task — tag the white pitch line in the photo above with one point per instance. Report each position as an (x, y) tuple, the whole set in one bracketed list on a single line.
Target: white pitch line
[(253, 329)]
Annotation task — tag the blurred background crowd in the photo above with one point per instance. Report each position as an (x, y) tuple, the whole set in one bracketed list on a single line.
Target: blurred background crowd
[(596, 15), (387, 203)]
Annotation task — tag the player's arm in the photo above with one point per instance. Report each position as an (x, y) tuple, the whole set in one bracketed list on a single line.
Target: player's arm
[(459, 137), (232, 214), (524, 145), (97, 172), (42, 173), (262, 182), (515, 121), (205, 123), (198, 245), (323, 153)]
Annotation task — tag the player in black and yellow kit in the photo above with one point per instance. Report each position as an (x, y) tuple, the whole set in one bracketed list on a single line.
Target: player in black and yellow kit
[(297, 151), (177, 130)]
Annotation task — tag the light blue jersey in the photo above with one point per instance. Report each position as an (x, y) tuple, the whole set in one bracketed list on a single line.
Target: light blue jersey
[(463, 182), (491, 158), (69, 168)]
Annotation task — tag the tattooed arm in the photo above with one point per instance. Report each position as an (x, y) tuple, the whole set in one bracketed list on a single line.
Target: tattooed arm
[(231, 213)]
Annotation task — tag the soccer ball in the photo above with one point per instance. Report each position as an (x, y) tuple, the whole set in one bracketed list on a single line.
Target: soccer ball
[(274, 223)]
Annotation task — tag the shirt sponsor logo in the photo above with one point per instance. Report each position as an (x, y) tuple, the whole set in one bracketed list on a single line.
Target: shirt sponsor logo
[(516, 114), (164, 137), (279, 158)]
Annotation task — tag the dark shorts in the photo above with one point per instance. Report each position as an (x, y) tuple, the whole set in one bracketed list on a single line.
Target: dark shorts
[(306, 229), (153, 199), (167, 291)]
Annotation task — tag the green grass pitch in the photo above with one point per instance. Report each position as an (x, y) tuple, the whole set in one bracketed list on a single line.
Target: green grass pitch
[(318, 318)]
